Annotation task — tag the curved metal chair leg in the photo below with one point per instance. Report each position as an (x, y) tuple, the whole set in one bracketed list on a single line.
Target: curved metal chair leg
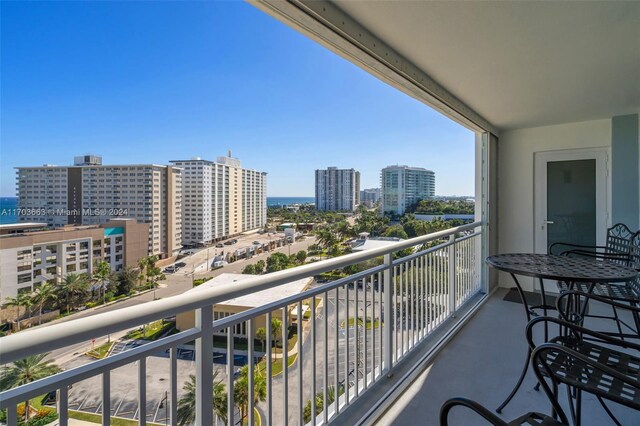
[(518, 384), (609, 412)]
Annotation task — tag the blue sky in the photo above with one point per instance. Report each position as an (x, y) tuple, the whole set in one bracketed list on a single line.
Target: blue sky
[(149, 82)]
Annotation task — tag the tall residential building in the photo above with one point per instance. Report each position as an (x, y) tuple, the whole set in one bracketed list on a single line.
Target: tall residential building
[(90, 193), (337, 189), (220, 199), (31, 254), (404, 186), (370, 196)]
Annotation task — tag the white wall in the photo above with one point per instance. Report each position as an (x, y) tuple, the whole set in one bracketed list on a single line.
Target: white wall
[(515, 177)]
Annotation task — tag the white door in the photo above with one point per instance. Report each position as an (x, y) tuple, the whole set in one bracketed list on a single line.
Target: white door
[(571, 197)]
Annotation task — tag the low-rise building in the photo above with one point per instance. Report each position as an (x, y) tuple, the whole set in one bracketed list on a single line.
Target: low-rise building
[(186, 320), (365, 242), (30, 255)]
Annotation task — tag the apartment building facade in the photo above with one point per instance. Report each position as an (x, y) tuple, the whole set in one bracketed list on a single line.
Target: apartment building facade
[(369, 197), (221, 199), (403, 186), (90, 193), (337, 189), (31, 255)]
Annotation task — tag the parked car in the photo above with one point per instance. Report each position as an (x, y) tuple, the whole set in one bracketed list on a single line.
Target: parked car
[(228, 243), (169, 269), (220, 245), (257, 243), (181, 264)]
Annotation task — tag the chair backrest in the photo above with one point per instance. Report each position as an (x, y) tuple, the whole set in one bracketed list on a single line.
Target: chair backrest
[(619, 238), (634, 261)]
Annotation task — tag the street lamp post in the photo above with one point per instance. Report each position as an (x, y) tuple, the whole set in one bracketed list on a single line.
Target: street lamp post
[(163, 404)]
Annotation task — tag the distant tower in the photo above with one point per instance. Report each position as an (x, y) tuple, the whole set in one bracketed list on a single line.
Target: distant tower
[(337, 189), (404, 186)]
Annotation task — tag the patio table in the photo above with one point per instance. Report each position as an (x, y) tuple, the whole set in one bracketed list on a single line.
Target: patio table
[(557, 268)]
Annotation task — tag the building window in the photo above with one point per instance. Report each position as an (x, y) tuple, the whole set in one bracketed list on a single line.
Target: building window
[(24, 278), (24, 267), (71, 267)]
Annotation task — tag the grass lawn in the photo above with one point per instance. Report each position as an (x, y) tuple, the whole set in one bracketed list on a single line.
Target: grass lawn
[(293, 340), (101, 351), (352, 321), (276, 365), (97, 418), (153, 330)]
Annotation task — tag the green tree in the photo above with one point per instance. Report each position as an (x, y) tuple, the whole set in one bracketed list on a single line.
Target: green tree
[(101, 275), (43, 295), (22, 300), (396, 231), (261, 334), (249, 269), (241, 390), (344, 230), (142, 265), (301, 256), (187, 403), (260, 265), (277, 262), (331, 397), (73, 288), (126, 280), (276, 330), (25, 371), (326, 237)]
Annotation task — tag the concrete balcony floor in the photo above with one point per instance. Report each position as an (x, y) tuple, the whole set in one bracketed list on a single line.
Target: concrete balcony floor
[(483, 362)]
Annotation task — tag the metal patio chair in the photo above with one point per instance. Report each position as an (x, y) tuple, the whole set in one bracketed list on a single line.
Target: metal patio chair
[(616, 248), (626, 293), (530, 419), (585, 361)]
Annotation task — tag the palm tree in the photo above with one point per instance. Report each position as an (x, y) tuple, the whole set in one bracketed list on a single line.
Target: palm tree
[(326, 237), (73, 286), (241, 389), (23, 299), (261, 334), (101, 274), (276, 329), (25, 371), (43, 295), (187, 403), (142, 264)]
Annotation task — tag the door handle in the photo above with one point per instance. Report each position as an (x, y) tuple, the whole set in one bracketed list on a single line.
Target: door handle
[(548, 222)]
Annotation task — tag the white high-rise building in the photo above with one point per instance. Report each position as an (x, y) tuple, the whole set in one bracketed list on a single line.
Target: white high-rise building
[(221, 199), (90, 193), (337, 189), (403, 186)]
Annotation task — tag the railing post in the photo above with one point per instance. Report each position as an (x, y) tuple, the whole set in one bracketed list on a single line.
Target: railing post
[(204, 366), (388, 322), (452, 274), (62, 404)]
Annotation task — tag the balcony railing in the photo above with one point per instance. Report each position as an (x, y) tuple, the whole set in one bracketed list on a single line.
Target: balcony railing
[(358, 328)]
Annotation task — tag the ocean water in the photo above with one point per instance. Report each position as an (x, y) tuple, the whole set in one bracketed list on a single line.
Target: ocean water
[(285, 201), (9, 204), (7, 210)]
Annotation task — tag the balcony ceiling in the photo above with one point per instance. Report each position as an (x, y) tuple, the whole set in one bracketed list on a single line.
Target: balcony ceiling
[(519, 64)]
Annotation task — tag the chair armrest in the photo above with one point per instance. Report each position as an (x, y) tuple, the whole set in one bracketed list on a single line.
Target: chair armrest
[(577, 331), (473, 405)]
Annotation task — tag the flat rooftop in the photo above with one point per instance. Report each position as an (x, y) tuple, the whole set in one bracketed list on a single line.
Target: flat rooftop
[(21, 225), (258, 298)]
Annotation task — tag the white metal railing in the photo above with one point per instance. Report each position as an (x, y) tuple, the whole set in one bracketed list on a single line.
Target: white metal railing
[(359, 327)]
